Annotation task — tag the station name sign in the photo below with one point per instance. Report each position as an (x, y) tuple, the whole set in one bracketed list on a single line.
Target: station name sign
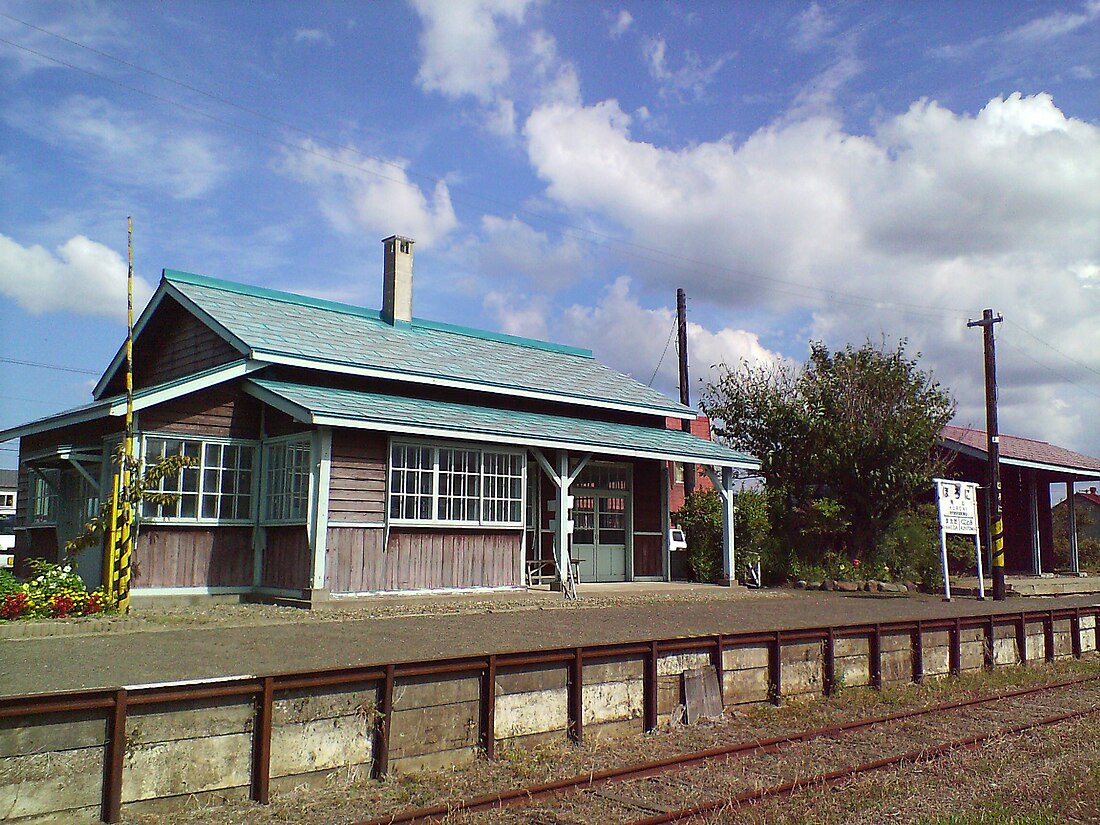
[(958, 506)]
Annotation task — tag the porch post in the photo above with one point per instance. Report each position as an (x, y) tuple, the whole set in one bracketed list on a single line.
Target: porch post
[(724, 486), (1071, 513), (666, 525), (1033, 512), (317, 519), (561, 535)]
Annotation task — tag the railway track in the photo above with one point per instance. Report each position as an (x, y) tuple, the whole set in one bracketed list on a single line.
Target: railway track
[(701, 784)]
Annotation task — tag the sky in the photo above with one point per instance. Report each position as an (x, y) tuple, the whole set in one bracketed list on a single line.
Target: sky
[(835, 172)]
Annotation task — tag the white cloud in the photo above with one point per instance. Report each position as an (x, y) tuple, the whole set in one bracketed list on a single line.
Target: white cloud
[(693, 77), (358, 193), (126, 147), (84, 277), (313, 37), (631, 338), (934, 209), (510, 249), (622, 21), (812, 26), (1043, 29)]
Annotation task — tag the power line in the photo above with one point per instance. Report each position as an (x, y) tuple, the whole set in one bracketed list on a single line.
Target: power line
[(48, 366), (1048, 368), (671, 332), (1053, 348), (629, 248)]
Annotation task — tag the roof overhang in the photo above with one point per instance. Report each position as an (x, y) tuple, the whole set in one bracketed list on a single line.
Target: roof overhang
[(1082, 473), (143, 399), (320, 406)]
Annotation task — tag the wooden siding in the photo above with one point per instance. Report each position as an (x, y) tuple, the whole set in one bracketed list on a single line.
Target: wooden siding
[(420, 559), (277, 422), (647, 555), (357, 486), (193, 557), (173, 344), (286, 558), (223, 411), (36, 543)]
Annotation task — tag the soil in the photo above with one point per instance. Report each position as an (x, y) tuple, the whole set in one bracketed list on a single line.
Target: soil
[(220, 640)]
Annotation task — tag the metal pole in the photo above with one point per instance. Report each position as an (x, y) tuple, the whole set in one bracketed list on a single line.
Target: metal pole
[(685, 395), (996, 536)]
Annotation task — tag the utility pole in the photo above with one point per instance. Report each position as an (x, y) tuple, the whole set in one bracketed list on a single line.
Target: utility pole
[(682, 348), (996, 538)]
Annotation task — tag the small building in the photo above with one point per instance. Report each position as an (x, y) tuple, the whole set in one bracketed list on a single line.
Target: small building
[(1028, 469), (339, 451), (9, 485)]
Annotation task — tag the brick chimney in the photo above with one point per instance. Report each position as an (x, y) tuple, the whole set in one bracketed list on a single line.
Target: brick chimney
[(397, 280)]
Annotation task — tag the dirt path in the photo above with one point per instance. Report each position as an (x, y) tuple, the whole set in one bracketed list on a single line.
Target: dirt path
[(258, 640)]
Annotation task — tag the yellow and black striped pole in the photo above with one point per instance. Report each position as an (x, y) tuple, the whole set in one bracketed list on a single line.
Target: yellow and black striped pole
[(993, 441), (129, 465)]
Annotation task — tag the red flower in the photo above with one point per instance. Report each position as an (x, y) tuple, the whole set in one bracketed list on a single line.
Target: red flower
[(855, 562), (92, 605), (13, 605), (60, 606)]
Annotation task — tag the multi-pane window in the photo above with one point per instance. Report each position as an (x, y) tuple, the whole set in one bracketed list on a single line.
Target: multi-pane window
[(286, 480), (503, 499), (45, 495), (216, 486), (455, 485)]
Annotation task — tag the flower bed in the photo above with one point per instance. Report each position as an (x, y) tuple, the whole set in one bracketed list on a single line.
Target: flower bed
[(55, 592)]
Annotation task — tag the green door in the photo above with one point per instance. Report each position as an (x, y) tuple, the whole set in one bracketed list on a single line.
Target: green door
[(599, 536)]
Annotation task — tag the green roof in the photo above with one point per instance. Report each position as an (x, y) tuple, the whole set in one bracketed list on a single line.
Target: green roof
[(445, 419), (284, 327)]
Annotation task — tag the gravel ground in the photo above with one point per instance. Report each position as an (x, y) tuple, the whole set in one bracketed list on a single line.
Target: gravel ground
[(227, 640)]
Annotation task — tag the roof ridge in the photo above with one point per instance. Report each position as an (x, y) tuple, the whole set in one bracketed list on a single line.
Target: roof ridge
[(293, 298)]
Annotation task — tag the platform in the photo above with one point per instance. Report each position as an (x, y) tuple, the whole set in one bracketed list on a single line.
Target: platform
[(1056, 584)]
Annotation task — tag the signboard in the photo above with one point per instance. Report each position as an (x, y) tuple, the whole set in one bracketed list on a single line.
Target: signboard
[(958, 505)]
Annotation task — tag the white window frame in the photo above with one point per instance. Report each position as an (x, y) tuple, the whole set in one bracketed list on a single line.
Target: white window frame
[(149, 513), (434, 469), (267, 496)]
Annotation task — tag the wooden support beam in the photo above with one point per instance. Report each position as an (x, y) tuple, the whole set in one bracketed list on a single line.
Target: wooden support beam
[(261, 743), (382, 731), (1075, 632), (874, 649), (989, 654), (828, 678), (113, 760), (916, 654), (1021, 638), (717, 657), (488, 707), (649, 689), (1048, 636), (775, 669), (576, 696), (955, 655)]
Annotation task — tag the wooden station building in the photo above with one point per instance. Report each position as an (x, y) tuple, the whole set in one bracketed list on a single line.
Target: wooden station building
[(1028, 469), (342, 451)]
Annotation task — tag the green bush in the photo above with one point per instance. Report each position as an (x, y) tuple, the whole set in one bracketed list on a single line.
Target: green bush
[(701, 518), (911, 548), (8, 583)]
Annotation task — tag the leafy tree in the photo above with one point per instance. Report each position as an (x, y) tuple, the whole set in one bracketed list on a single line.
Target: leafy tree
[(701, 518), (845, 441)]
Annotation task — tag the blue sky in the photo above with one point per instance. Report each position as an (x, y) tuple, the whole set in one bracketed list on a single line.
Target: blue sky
[(831, 171)]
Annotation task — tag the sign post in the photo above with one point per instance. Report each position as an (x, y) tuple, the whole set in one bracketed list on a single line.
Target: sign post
[(957, 502)]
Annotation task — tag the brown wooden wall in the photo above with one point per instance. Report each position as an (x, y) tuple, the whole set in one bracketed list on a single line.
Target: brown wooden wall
[(647, 518), (193, 557), (286, 558), (173, 344), (357, 486), (219, 411), (421, 559)]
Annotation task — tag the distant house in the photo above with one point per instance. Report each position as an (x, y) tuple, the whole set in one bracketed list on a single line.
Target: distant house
[(9, 485), (1028, 469), (1084, 503), (339, 450)]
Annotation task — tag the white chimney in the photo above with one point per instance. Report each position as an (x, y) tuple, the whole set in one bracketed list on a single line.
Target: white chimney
[(397, 281)]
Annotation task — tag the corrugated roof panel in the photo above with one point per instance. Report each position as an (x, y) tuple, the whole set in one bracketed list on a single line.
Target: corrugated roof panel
[(401, 414), (350, 336)]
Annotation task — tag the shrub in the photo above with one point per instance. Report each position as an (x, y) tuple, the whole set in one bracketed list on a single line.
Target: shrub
[(701, 518)]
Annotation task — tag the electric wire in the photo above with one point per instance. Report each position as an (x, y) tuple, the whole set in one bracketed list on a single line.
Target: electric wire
[(629, 248), (1061, 375), (664, 352), (48, 366), (1051, 347)]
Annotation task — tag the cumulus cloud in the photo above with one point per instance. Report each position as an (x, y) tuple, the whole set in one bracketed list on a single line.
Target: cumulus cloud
[(313, 37), (632, 338), (358, 193), (84, 277), (462, 53), (900, 232), (127, 147), (511, 249)]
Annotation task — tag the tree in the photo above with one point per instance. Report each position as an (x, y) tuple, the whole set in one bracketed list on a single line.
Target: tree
[(845, 441)]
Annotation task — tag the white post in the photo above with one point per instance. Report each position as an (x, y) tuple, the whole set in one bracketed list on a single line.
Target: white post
[(724, 486), (943, 559), (1033, 511), (321, 459), (1071, 513), (981, 574)]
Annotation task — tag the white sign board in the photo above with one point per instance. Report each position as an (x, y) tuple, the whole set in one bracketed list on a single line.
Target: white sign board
[(958, 505)]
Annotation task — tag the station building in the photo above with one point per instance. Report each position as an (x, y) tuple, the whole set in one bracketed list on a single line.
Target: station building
[(340, 451), (1029, 470)]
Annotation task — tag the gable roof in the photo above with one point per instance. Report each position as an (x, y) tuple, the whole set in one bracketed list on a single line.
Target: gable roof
[(284, 328), (326, 406), (1023, 452)]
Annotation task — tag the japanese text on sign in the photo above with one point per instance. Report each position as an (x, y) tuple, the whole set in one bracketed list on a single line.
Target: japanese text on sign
[(958, 506)]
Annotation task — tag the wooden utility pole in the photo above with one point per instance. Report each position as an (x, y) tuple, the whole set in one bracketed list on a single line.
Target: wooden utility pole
[(685, 399), (993, 445)]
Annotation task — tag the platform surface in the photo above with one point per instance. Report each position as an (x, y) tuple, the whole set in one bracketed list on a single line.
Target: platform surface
[(233, 640)]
